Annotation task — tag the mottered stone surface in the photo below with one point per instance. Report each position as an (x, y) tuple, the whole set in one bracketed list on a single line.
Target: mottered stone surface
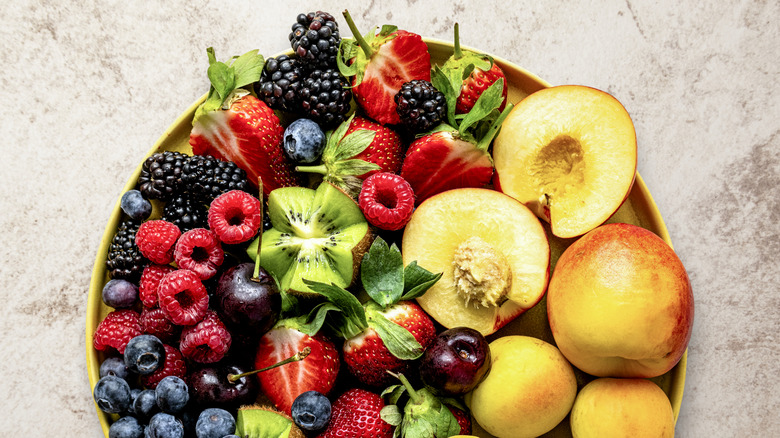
[(89, 86)]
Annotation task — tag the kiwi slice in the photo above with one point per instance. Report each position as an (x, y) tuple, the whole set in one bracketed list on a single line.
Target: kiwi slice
[(317, 235), (265, 422)]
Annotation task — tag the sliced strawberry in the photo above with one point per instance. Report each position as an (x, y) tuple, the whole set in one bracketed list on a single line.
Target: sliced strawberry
[(443, 161), (357, 149), (316, 372), (234, 125), (380, 64)]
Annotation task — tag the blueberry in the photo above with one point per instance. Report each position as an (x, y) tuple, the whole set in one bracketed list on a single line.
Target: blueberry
[(311, 411), (172, 395), (134, 393), (112, 394), (114, 366), (163, 425), (145, 405), (215, 423), (304, 141), (144, 354), (119, 293), (126, 427), (135, 205)]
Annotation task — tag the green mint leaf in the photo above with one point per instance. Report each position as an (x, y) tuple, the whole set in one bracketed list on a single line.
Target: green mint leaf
[(248, 68), (353, 144), (334, 138), (382, 273), (417, 280), (387, 29), (397, 339), (353, 167), (391, 414), (393, 393), (222, 79), (347, 303), (489, 100), (347, 51), (443, 82), (313, 322)]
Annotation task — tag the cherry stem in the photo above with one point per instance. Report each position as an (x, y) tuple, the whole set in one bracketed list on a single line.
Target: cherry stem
[(256, 273), (416, 398), (458, 53), (294, 358), (356, 34)]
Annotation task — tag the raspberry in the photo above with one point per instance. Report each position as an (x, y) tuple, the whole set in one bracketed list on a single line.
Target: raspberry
[(150, 281), (156, 239), (199, 251), (116, 330), (206, 342), (183, 297), (154, 322), (387, 201), (174, 365), (235, 217)]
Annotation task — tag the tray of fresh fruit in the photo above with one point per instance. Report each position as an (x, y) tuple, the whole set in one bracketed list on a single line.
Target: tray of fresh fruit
[(387, 236)]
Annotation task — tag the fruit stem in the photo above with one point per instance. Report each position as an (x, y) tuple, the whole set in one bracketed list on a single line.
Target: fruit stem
[(356, 34), (458, 53), (294, 358), (416, 398), (256, 272), (321, 169), (485, 141)]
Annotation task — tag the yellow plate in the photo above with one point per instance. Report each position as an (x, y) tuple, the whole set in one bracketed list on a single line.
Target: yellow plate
[(638, 209)]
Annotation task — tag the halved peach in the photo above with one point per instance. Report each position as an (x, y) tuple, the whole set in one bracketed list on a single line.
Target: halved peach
[(568, 153), (491, 250)]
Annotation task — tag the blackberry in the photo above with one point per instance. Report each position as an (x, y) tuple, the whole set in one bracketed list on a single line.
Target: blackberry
[(124, 258), (280, 83), (315, 39), (161, 175), (420, 106), (206, 177), (186, 212), (326, 97)]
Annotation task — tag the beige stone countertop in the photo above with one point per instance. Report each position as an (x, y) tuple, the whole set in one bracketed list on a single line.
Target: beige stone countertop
[(88, 87)]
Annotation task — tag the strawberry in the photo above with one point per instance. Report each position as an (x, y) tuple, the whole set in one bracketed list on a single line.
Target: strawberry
[(234, 125), (482, 72), (357, 149), (390, 330), (368, 358), (356, 414), (449, 157), (379, 63), (316, 372)]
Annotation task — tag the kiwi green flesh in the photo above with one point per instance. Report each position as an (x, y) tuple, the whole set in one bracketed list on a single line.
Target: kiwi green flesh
[(312, 241), (259, 422)]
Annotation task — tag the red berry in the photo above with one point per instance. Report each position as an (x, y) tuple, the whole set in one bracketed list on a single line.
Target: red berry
[(150, 281), (173, 366), (207, 341), (155, 240), (199, 251), (116, 330), (235, 216), (356, 414), (464, 420), (387, 201), (154, 322), (183, 297)]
